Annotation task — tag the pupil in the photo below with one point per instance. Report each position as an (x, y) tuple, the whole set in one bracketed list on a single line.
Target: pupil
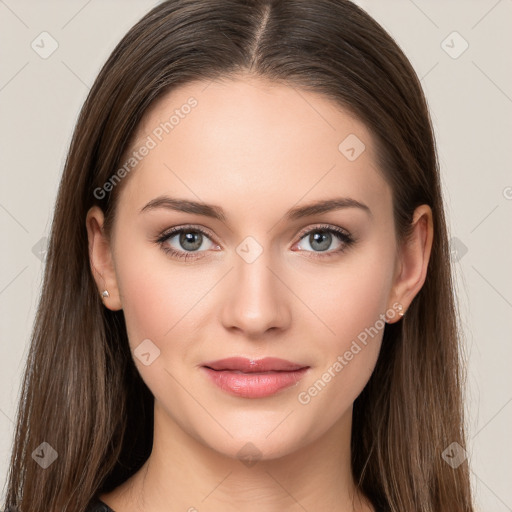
[(323, 238), (189, 237)]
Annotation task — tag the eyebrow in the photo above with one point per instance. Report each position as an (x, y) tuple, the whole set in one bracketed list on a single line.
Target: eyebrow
[(216, 212)]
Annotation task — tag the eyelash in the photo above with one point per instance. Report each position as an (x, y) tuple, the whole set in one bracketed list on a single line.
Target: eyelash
[(341, 234)]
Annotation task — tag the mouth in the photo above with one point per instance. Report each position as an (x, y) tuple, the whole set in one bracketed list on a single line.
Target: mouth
[(251, 378)]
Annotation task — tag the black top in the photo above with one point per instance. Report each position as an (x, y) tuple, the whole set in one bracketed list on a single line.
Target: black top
[(96, 505)]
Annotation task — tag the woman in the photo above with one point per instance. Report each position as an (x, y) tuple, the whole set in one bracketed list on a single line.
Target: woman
[(302, 352)]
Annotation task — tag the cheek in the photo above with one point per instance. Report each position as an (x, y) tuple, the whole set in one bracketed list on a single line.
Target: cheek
[(163, 301), (351, 297), (160, 304), (349, 331)]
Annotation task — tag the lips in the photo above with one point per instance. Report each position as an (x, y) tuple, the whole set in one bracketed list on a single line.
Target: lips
[(241, 364), (249, 378)]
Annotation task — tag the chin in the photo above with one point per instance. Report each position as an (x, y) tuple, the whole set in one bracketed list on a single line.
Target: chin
[(255, 446)]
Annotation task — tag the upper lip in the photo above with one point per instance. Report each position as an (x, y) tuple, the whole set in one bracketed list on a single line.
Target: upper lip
[(245, 365)]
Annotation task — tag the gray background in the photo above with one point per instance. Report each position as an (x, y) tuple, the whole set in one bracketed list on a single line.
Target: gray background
[(470, 96)]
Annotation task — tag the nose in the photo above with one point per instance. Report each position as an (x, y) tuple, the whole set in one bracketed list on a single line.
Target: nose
[(256, 298)]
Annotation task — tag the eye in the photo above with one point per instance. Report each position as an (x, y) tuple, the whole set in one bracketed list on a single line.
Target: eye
[(189, 241), (321, 238)]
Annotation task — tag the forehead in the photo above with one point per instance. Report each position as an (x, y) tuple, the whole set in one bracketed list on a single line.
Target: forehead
[(244, 140)]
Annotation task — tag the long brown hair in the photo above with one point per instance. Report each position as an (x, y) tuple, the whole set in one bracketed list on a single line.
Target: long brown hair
[(81, 391)]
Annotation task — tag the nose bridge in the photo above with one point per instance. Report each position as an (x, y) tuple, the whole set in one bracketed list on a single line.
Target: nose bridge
[(256, 299)]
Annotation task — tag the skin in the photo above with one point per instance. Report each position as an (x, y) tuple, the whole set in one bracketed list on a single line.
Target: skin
[(256, 149)]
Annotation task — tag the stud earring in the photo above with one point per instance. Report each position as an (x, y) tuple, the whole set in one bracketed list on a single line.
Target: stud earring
[(105, 294), (400, 310)]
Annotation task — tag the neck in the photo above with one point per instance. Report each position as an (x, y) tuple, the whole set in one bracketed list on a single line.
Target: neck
[(184, 474)]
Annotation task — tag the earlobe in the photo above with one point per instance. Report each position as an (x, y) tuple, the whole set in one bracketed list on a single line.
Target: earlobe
[(414, 257), (100, 257)]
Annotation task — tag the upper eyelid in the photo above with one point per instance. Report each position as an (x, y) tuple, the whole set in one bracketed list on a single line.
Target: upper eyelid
[(188, 227), (326, 227)]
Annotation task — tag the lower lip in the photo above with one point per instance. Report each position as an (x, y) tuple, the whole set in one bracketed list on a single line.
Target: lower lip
[(254, 385)]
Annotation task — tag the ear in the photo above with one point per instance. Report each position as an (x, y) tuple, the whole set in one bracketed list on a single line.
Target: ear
[(414, 255), (100, 256)]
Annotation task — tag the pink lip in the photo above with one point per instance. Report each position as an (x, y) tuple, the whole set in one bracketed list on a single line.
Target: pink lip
[(253, 378)]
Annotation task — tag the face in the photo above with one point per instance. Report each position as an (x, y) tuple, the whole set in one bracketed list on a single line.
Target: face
[(263, 277)]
